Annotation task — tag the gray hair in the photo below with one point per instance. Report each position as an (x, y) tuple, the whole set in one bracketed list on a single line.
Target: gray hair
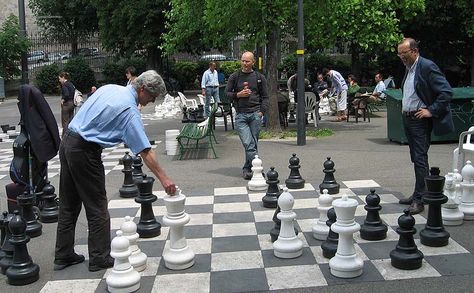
[(152, 82)]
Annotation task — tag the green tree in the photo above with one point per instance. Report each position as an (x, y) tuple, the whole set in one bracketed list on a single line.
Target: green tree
[(12, 46), (70, 20), (130, 26)]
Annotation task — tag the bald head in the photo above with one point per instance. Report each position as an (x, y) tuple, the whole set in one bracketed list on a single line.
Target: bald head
[(247, 61)]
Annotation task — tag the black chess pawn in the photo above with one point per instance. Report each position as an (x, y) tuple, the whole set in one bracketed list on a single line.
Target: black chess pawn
[(148, 226), (406, 255), (3, 232), (329, 181), (129, 188), (185, 115), (22, 271), (434, 233), (49, 210), (373, 227), (329, 247), (200, 113), (294, 181), (7, 247), (137, 172), (26, 202), (270, 200)]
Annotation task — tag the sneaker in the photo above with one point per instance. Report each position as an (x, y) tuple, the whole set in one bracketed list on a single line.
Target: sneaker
[(108, 263), (247, 175), (60, 264)]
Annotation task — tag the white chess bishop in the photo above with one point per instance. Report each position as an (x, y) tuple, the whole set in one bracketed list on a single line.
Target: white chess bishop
[(137, 258), (450, 212), (257, 182), (467, 186), (178, 256), (123, 278), (288, 245), (320, 228), (345, 264)]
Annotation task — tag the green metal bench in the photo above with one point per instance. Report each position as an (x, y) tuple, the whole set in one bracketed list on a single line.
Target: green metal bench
[(198, 132)]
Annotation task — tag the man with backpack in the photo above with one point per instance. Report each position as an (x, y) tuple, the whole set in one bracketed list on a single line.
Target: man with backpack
[(248, 89)]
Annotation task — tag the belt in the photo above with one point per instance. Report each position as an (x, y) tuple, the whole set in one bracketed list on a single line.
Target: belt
[(81, 142), (409, 113), (213, 86)]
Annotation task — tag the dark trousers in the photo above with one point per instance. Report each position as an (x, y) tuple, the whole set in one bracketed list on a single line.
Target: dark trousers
[(82, 181), (418, 132), (67, 113)]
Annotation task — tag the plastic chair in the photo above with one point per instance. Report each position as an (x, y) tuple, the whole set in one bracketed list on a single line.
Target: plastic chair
[(311, 106), (190, 103), (463, 148)]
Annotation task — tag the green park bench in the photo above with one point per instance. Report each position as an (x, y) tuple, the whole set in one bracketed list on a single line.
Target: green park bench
[(198, 132)]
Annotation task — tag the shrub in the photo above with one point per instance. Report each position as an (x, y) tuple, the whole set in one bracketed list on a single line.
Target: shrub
[(47, 79), (81, 75), (229, 67), (114, 71), (185, 72)]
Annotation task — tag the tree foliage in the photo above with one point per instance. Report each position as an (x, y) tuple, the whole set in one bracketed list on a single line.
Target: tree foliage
[(12, 46)]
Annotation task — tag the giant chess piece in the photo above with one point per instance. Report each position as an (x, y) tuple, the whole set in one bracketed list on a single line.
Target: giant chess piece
[(467, 197), (270, 200), (200, 114), (148, 226), (329, 181), (450, 212), (137, 172), (3, 231), (346, 263), (185, 115), (329, 247), (137, 258), (373, 227), (129, 188), (179, 255), (7, 247), (122, 277), (257, 182), (26, 202), (434, 233), (288, 245), (320, 228), (294, 181), (22, 271), (406, 255), (276, 228), (49, 211)]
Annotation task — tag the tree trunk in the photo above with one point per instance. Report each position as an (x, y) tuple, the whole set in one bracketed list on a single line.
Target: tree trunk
[(273, 117), (355, 62), (472, 61), (74, 46), (154, 59)]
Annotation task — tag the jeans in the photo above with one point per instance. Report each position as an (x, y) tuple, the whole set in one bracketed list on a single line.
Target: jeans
[(418, 132), (211, 92), (248, 126)]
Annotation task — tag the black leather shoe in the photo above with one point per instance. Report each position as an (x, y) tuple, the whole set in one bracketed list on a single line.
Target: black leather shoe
[(416, 208), (60, 264), (108, 263), (408, 200)]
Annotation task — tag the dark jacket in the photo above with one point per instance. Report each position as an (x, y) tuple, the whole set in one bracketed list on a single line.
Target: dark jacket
[(67, 91), (39, 121), (434, 90), (257, 101)]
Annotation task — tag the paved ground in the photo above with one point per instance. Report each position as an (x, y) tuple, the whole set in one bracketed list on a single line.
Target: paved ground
[(360, 151)]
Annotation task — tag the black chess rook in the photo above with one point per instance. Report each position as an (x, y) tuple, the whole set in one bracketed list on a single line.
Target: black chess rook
[(129, 188), (329, 247), (373, 227), (294, 181), (329, 181), (26, 202), (49, 210), (148, 226), (270, 200)]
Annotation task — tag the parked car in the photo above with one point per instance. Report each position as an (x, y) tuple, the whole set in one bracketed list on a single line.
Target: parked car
[(37, 57), (84, 52), (57, 56)]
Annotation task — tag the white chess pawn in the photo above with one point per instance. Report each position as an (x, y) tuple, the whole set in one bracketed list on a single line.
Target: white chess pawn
[(179, 255), (122, 278), (257, 182), (450, 212), (467, 186), (288, 245), (137, 258), (320, 228), (345, 264)]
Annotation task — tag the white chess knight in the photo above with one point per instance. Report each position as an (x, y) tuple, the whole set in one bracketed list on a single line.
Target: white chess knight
[(288, 245), (178, 256), (345, 264), (450, 212), (467, 187), (257, 182), (320, 228), (123, 277), (137, 258)]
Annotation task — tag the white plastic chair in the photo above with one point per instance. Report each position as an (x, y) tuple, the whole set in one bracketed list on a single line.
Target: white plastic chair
[(311, 106), (190, 103), (463, 148), (202, 99)]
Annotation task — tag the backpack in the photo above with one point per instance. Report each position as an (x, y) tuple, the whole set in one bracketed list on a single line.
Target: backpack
[(78, 100)]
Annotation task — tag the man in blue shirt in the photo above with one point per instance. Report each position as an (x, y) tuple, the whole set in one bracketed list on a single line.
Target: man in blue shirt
[(210, 86), (109, 117)]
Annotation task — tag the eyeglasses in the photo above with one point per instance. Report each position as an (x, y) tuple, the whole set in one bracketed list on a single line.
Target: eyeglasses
[(399, 54)]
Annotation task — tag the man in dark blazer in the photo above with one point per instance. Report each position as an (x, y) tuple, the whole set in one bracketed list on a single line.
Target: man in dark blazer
[(425, 108)]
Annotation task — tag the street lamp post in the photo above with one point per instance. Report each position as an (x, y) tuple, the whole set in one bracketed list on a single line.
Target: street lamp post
[(24, 58), (301, 121)]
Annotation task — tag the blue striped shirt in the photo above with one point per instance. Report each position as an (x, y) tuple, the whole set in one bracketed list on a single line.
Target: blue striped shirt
[(111, 116), (209, 78)]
